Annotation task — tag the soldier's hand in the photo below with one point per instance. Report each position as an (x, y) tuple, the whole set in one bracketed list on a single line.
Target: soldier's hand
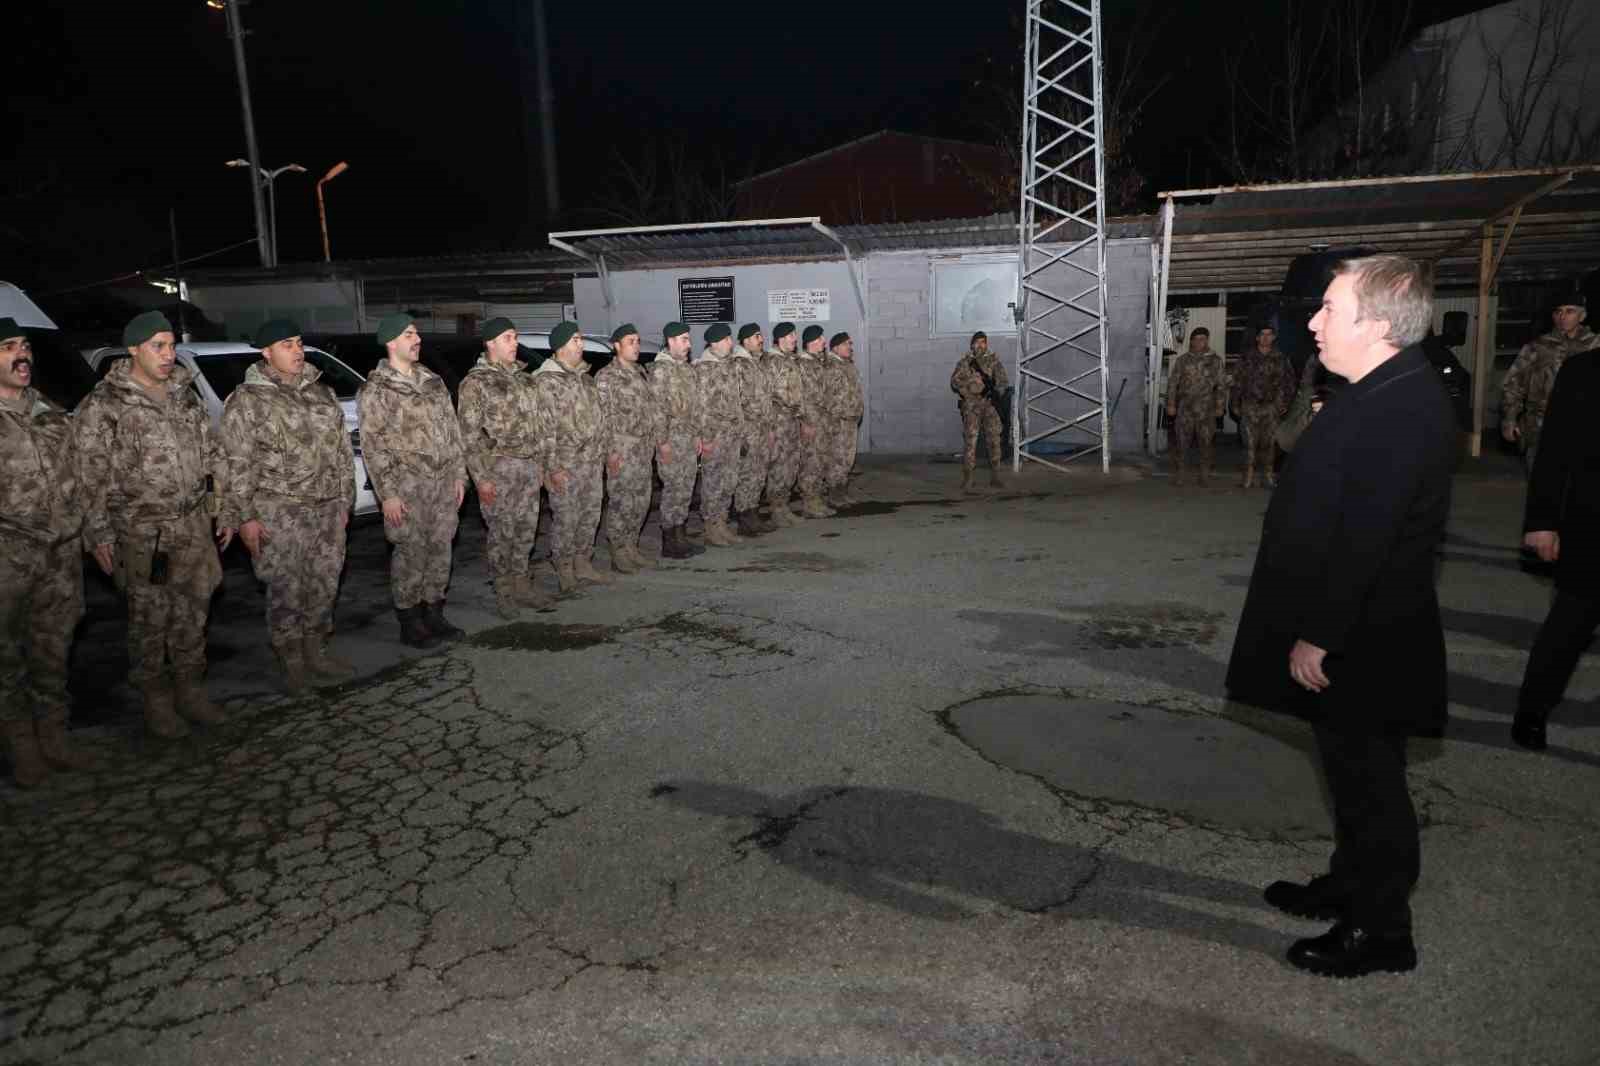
[(486, 493), (1510, 430), (253, 534), (395, 511), (558, 481), (1546, 544), (224, 537), (664, 453), (461, 493), (614, 464), (344, 519), (1172, 411), (105, 558)]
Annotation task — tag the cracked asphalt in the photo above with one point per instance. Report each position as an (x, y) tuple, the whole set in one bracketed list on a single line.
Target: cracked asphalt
[(940, 779)]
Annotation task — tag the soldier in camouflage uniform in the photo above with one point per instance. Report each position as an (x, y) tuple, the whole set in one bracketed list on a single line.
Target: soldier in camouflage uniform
[(979, 380), (412, 445), (676, 387), (41, 568), (638, 429), (787, 381), (575, 446), (288, 487), (500, 433), (1197, 394), (724, 421), (1263, 388), (1527, 385), (815, 422), (755, 393), (849, 406), (145, 451)]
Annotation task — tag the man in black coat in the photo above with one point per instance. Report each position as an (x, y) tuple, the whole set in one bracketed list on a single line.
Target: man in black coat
[(1562, 525), (1341, 623)]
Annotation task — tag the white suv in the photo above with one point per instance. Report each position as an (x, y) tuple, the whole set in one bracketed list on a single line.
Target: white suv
[(219, 366)]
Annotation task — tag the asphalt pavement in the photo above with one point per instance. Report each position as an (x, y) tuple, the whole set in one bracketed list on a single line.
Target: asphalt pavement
[(939, 779)]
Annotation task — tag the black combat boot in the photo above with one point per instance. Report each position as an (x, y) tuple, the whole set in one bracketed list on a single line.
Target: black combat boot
[(414, 632), (433, 617), (683, 539), (673, 546), (749, 525)]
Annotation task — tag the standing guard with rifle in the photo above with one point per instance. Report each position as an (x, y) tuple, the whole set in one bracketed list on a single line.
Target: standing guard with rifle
[(979, 382)]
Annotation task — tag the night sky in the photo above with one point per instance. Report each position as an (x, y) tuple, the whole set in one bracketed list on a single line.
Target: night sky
[(130, 110)]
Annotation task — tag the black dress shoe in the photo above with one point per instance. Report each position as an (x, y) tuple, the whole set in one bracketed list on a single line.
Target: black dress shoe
[(1527, 729), (1350, 951), (1317, 901)]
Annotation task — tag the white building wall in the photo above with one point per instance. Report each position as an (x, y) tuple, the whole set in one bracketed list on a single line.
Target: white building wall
[(318, 306)]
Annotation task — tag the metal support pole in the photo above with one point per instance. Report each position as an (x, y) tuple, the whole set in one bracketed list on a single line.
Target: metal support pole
[(272, 212), (236, 34), (547, 111), (1484, 339)]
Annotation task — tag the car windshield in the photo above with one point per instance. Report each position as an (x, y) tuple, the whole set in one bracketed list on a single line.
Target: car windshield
[(225, 372), (344, 382)]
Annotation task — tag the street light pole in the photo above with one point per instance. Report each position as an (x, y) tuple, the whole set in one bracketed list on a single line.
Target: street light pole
[(236, 34), (268, 178), (322, 207)]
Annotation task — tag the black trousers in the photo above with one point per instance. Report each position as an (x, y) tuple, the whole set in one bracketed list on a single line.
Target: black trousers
[(1377, 853), (1561, 640)]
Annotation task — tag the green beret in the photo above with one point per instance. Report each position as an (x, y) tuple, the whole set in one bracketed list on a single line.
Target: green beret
[(495, 326), (391, 326), (718, 332), (782, 330), (143, 327), (748, 330), (812, 333), (674, 329), (838, 339), (278, 329), (623, 330), (10, 329), (563, 333)]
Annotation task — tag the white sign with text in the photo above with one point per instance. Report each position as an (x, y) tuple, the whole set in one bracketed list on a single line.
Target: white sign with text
[(798, 305)]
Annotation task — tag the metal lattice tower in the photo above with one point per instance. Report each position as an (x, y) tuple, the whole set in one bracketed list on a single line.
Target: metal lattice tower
[(1061, 279)]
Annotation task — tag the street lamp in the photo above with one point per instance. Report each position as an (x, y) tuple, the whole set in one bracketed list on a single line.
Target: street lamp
[(322, 208), (267, 178)]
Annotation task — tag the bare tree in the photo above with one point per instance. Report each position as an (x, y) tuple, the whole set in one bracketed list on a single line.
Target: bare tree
[(661, 182)]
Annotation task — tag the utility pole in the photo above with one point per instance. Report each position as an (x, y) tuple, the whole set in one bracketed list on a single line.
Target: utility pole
[(547, 113), (236, 34), (177, 275)]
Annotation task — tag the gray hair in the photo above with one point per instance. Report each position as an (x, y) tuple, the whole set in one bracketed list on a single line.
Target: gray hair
[(1394, 289)]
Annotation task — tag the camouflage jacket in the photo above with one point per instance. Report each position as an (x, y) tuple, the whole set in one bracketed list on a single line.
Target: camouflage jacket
[(679, 397), (814, 387), (38, 483), (1197, 386), (408, 428), (1262, 383), (847, 402), (633, 414), (786, 378), (572, 422), (285, 440), (498, 415), (723, 400), (140, 461), (966, 381), (755, 391), (1527, 385)]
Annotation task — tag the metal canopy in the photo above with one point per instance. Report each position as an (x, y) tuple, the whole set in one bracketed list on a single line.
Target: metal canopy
[(1245, 236)]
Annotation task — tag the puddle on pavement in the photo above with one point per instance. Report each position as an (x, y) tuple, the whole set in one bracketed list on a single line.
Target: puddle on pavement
[(1118, 626), (542, 636), (799, 563)]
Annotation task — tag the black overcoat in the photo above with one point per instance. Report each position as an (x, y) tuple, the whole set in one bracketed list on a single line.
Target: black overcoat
[(1564, 490), (1348, 554)]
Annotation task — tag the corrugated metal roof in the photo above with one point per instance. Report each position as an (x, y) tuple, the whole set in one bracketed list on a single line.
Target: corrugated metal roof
[(1245, 237)]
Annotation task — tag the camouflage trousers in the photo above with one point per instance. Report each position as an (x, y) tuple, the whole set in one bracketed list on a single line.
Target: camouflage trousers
[(842, 452), (41, 600), (419, 568), (753, 463), (575, 511), (813, 456), (513, 518), (719, 475), (1191, 429), (1260, 431), (167, 622), (677, 482), (784, 468), (300, 563), (628, 494), (980, 414)]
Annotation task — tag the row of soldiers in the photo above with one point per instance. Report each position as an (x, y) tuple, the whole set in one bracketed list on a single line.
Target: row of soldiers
[(1199, 392), (130, 475)]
